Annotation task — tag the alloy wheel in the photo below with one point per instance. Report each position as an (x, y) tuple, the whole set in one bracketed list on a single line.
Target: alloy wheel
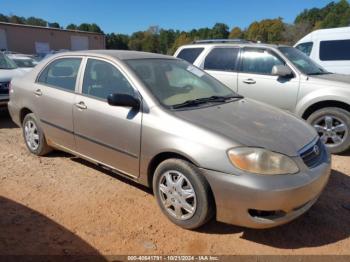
[(332, 130)]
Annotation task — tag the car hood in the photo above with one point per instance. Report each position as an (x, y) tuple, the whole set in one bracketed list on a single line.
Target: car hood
[(7, 74), (342, 79), (254, 124)]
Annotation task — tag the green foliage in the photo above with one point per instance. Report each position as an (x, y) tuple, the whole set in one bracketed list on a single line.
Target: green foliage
[(35, 21), (117, 41), (54, 25), (72, 27)]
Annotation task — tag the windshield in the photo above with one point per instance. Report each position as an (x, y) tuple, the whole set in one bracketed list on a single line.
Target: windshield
[(21, 62), (302, 61), (174, 82), (6, 63)]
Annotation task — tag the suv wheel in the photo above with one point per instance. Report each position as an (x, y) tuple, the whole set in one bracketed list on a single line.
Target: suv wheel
[(333, 126), (183, 194), (34, 136)]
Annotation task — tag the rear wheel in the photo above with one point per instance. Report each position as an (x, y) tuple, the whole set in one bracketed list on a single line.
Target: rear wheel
[(34, 136), (183, 194), (333, 126)]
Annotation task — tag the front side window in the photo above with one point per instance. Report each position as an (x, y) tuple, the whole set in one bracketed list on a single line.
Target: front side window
[(335, 50), (223, 59), (302, 61), (61, 73), (174, 82), (102, 79), (305, 48), (259, 61), (6, 63), (190, 54)]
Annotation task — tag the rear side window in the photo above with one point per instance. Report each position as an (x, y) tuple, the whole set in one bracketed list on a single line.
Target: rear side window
[(335, 50), (223, 59), (61, 73), (190, 54), (305, 48), (259, 61)]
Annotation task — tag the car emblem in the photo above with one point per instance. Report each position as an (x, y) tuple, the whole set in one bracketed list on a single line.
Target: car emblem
[(316, 150)]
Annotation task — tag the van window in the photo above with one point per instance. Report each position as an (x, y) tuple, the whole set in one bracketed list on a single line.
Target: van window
[(223, 59), (190, 54), (305, 47), (335, 50), (61, 73)]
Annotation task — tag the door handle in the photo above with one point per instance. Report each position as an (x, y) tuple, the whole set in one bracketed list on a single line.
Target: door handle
[(249, 81), (81, 105), (38, 92)]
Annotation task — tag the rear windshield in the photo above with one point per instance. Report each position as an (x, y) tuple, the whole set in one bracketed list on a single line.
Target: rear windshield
[(24, 63), (190, 54), (6, 63)]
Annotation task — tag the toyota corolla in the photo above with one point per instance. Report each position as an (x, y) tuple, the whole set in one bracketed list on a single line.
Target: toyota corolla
[(204, 150)]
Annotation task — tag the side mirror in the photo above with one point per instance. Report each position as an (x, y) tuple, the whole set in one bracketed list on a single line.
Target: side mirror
[(123, 100), (281, 70)]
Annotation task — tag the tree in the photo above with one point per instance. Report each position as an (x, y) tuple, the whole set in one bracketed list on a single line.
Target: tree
[(183, 39), (54, 25), (3, 18), (72, 27), (236, 33), (219, 31), (16, 19), (117, 41), (36, 21)]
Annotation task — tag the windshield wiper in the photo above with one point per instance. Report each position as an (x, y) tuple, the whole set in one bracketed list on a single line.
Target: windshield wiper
[(194, 102), (319, 73)]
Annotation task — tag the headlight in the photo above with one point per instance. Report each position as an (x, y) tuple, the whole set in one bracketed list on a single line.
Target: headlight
[(262, 161)]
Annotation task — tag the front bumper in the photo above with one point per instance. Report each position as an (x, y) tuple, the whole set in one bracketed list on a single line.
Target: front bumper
[(4, 100), (257, 201)]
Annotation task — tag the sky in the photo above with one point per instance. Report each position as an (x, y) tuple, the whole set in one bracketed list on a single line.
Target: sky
[(128, 16)]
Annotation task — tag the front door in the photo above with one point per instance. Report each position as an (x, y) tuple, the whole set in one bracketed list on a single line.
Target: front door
[(108, 134), (256, 81)]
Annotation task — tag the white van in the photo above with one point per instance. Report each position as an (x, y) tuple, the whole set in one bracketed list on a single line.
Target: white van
[(330, 48)]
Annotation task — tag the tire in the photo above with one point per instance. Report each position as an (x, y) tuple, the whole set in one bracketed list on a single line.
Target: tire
[(39, 145), (340, 122), (202, 202)]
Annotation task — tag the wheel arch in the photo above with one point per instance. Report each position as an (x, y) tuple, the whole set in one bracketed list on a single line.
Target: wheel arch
[(23, 112), (159, 158), (322, 104)]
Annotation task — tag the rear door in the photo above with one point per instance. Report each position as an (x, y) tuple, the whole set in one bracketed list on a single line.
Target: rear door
[(256, 81), (221, 63), (108, 134), (54, 96)]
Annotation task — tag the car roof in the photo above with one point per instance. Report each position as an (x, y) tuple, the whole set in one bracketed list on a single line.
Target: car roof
[(118, 54), (243, 44)]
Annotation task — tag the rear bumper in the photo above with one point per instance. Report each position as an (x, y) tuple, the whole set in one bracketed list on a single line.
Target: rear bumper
[(257, 201)]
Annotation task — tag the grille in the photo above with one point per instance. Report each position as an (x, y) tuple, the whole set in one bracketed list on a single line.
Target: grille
[(312, 154), (4, 88)]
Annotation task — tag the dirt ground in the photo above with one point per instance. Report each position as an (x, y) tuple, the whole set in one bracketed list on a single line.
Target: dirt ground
[(60, 204)]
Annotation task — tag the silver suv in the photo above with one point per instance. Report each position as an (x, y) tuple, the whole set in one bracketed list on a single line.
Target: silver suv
[(281, 76)]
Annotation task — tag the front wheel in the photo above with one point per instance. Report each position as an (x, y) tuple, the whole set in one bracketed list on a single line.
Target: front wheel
[(183, 194), (333, 126)]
